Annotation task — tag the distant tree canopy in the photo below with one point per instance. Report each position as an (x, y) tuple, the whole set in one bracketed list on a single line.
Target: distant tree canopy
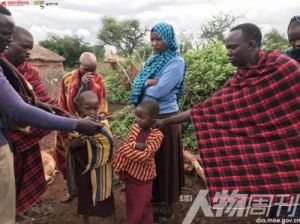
[(214, 29), (125, 35), (70, 47), (275, 40)]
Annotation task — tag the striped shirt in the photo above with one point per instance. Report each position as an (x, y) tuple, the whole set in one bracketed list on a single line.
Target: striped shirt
[(138, 164)]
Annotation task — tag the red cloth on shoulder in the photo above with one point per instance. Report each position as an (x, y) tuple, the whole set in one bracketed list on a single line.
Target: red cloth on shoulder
[(248, 132)]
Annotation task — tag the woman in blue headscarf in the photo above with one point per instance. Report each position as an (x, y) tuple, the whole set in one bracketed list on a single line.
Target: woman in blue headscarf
[(161, 79)]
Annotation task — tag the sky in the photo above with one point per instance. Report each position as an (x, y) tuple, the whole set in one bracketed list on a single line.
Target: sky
[(83, 17)]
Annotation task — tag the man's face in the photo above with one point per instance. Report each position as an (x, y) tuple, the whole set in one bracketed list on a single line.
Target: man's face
[(19, 50), (294, 34), (6, 29), (238, 48)]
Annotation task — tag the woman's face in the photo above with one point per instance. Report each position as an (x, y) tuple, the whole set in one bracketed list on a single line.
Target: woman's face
[(157, 43)]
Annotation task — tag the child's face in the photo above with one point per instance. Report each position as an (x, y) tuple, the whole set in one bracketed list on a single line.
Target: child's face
[(89, 107), (143, 118)]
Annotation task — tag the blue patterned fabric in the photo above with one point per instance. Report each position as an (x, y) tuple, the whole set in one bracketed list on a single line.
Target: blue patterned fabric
[(156, 62)]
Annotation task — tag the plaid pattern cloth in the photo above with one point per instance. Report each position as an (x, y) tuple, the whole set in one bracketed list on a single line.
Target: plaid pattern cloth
[(32, 76), (248, 132), (156, 62), (30, 177), (29, 171)]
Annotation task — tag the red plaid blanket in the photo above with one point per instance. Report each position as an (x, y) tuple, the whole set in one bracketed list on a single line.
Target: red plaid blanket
[(248, 132), (29, 172)]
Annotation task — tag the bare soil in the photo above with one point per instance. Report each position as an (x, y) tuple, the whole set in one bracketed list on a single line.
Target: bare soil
[(49, 209)]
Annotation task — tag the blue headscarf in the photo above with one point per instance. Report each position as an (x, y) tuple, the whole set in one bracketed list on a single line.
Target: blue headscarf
[(156, 61)]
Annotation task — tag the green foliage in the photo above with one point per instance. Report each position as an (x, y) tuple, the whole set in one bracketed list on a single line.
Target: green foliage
[(117, 86), (207, 70), (125, 35), (122, 122), (70, 47), (275, 40)]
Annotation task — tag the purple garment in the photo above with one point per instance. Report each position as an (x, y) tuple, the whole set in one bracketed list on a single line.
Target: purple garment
[(15, 108)]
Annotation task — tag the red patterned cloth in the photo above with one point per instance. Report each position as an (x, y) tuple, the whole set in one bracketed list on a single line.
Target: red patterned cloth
[(29, 171), (248, 132), (138, 164), (70, 86), (32, 76)]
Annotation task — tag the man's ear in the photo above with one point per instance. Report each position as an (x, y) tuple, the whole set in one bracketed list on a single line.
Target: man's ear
[(252, 45)]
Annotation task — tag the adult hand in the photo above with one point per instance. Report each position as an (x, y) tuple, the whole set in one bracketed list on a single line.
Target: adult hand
[(152, 82), (77, 142), (140, 146), (87, 126), (159, 123), (86, 79)]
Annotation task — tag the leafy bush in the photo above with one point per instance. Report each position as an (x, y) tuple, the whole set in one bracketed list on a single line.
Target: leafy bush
[(122, 122), (207, 70), (117, 86)]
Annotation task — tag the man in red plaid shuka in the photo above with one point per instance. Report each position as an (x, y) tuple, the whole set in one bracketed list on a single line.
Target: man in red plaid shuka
[(29, 171), (248, 133)]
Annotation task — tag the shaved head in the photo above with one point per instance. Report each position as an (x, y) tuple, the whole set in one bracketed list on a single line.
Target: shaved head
[(87, 62), (85, 96), (19, 32)]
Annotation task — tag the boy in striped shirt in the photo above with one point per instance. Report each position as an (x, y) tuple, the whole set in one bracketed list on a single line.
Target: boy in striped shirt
[(135, 162)]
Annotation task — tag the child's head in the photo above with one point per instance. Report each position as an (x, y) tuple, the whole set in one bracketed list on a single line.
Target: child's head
[(88, 104), (146, 113)]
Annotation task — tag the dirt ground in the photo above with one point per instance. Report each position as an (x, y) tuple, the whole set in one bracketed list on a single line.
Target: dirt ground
[(49, 209)]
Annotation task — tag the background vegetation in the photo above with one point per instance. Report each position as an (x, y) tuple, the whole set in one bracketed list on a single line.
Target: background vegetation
[(204, 53)]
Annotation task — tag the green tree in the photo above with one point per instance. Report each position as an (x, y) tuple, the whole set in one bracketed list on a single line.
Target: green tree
[(125, 35), (275, 40), (70, 47), (214, 29)]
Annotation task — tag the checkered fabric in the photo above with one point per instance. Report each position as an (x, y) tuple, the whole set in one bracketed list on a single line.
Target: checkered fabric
[(248, 132), (156, 62), (30, 178), (32, 76), (29, 171)]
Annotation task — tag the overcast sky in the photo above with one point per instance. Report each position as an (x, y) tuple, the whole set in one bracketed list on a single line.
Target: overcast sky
[(82, 17)]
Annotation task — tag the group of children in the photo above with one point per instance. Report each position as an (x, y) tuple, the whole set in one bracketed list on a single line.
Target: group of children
[(90, 163)]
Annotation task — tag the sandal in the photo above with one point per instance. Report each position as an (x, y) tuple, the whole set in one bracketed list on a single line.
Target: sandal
[(68, 198)]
